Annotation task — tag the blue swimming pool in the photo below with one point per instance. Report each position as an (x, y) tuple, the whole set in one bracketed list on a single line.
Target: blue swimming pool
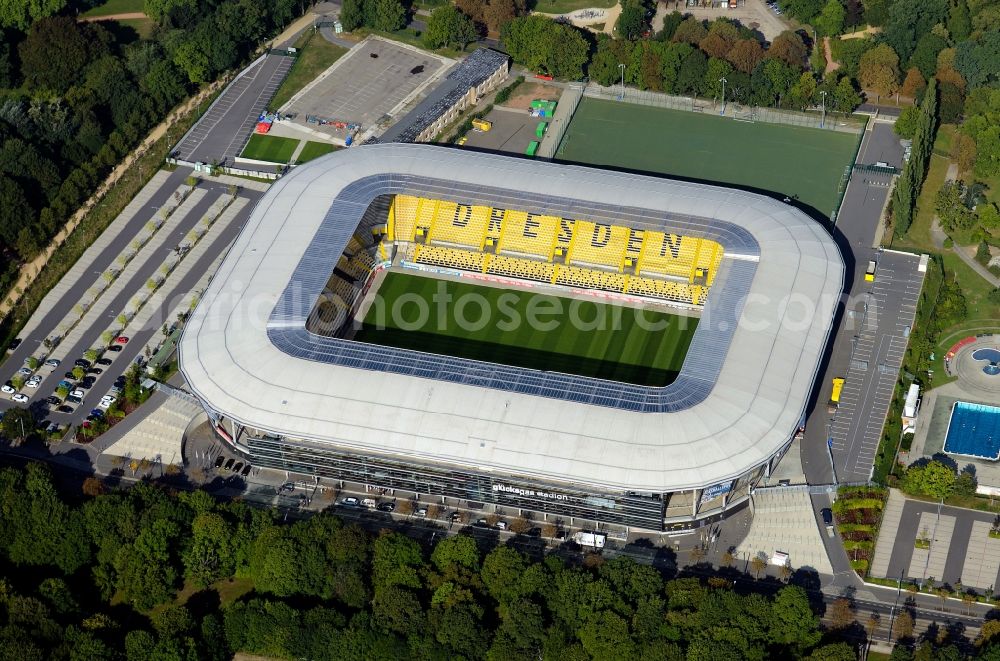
[(974, 431), (992, 359)]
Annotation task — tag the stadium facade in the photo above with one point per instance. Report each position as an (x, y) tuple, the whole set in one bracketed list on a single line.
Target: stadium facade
[(464, 432)]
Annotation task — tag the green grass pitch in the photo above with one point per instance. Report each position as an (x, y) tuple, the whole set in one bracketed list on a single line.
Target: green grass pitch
[(270, 148), (634, 346), (788, 160), (313, 150)]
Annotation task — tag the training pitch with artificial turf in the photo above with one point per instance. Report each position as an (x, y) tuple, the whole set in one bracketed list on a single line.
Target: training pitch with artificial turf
[(788, 160), (528, 329)]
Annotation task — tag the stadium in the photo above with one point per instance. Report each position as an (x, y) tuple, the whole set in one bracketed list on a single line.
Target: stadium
[(322, 345)]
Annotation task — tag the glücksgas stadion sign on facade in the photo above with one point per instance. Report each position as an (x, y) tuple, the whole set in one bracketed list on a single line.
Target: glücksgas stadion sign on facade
[(531, 493)]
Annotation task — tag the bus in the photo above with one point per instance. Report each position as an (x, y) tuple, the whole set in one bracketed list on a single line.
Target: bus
[(838, 386)]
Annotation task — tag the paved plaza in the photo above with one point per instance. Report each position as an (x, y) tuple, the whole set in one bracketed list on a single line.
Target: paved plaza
[(372, 82)]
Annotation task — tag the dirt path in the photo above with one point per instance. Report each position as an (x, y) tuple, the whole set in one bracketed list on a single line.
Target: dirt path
[(132, 15), (831, 65)]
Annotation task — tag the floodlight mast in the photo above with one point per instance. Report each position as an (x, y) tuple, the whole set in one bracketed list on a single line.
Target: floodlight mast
[(723, 81)]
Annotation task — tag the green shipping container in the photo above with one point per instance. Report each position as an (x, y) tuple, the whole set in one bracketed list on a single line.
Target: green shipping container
[(540, 130), (538, 103), (532, 149)]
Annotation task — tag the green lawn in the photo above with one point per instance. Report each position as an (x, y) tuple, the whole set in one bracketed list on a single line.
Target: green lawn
[(567, 6), (112, 7), (571, 336), (270, 148), (313, 150), (788, 160), (315, 56), (142, 26)]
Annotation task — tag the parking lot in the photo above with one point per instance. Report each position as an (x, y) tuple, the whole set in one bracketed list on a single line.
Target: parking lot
[(373, 80), (223, 131), (512, 131)]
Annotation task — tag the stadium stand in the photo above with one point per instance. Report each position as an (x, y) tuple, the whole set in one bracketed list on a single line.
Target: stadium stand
[(464, 260), (525, 245), (527, 269), (528, 233), (598, 244)]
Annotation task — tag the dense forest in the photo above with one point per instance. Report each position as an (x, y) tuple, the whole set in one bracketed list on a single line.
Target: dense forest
[(145, 573), (76, 97)]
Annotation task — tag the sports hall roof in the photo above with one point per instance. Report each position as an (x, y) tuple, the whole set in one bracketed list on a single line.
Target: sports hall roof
[(739, 397)]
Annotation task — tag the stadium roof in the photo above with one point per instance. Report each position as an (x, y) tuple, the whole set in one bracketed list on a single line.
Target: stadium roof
[(740, 395)]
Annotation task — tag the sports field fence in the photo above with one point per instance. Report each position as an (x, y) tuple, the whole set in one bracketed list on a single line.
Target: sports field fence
[(738, 112)]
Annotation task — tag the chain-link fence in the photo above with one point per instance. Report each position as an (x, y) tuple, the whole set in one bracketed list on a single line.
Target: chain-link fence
[(811, 119)]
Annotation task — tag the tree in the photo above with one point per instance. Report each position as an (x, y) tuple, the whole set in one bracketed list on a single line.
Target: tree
[(352, 14), (795, 625), (499, 12), (690, 31), (385, 15), (913, 84), (977, 60), (906, 124), (449, 27), (757, 565), (878, 70), (18, 423), (934, 479), (746, 55), (631, 21), (546, 46), (831, 20), (903, 626), (907, 21), (55, 52), (717, 69), (841, 613), (691, 77), (21, 14), (845, 97), (209, 556), (457, 551), (789, 48), (833, 652)]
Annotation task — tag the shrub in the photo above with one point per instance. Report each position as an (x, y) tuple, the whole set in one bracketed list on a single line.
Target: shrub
[(504, 95)]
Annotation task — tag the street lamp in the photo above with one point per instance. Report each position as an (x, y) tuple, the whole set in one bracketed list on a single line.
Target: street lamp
[(723, 81), (622, 68), (822, 121)]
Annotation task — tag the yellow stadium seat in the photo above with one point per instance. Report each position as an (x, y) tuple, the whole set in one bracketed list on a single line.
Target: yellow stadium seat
[(465, 260), (402, 218), (598, 244), (667, 254), (528, 233), (590, 278), (460, 224), (526, 269), (665, 289)]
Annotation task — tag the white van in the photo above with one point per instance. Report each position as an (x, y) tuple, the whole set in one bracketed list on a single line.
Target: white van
[(369, 503)]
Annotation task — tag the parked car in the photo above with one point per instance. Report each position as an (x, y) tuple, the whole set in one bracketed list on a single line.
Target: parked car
[(229, 464), (238, 467), (65, 409), (96, 413), (25, 371), (52, 362), (386, 507), (68, 385), (95, 370), (121, 339), (73, 399), (827, 514), (33, 383), (421, 511), (104, 361), (53, 400), (501, 525), (350, 501), (246, 470), (80, 362), (219, 460), (78, 393), (20, 398), (15, 343), (115, 348), (7, 388)]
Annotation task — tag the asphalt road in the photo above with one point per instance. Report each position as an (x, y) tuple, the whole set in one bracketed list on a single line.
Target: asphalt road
[(225, 128), (92, 337)]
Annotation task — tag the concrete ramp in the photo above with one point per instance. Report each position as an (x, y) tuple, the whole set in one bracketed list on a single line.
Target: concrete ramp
[(784, 521)]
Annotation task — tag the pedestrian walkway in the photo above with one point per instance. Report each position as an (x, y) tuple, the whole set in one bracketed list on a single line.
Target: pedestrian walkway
[(568, 102), (930, 563), (982, 558), (891, 517), (79, 270), (784, 521), (154, 431), (99, 308)]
